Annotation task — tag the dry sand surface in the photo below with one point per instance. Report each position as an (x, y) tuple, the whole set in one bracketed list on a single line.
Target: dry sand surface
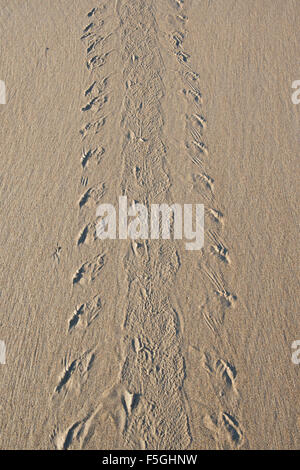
[(142, 344)]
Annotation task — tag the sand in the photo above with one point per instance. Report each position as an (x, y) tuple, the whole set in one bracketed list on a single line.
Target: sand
[(142, 344)]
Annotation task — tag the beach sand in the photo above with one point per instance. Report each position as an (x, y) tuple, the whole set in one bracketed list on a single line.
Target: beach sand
[(142, 344)]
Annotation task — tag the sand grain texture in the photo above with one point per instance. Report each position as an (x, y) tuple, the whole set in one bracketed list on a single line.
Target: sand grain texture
[(141, 344)]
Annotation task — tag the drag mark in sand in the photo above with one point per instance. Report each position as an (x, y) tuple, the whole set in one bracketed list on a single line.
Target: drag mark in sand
[(153, 371)]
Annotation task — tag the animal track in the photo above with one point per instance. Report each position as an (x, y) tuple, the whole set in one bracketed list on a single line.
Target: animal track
[(56, 253), (75, 373), (153, 370), (225, 429), (85, 314), (95, 154), (89, 271), (203, 184), (219, 287), (88, 234), (215, 215), (63, 440), (94, 194), (69, 370), (199, 120), (222, 373), (98, 61), (84, 180), (193, 96), (94, 127), (149, 405), (218, 247), (97, 103)]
